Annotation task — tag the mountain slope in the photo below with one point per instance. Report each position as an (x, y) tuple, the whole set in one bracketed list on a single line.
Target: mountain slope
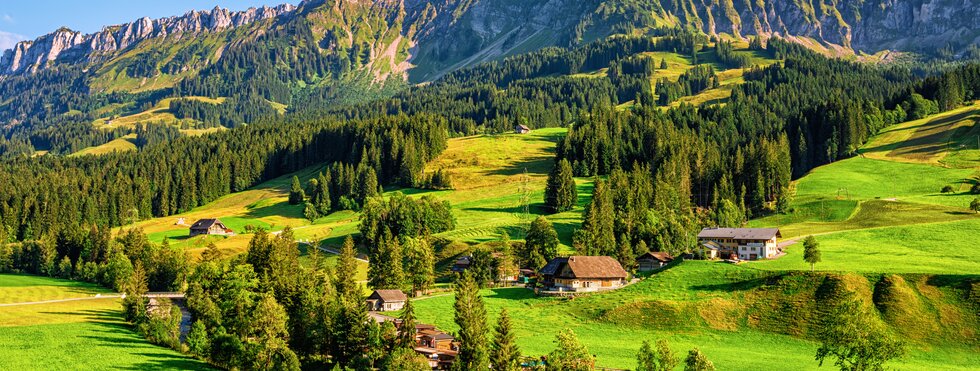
[(434, 36)]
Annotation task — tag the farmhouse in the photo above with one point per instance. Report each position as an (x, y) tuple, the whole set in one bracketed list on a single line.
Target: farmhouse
[(210, 226), (521, 129), (741, 243), (461, 264), (386, 300), (583, 274), (653, 261)]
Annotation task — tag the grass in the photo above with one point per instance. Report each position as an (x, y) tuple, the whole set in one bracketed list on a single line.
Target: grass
[(883, 211), (939, 248), (158, 114), (84, 334), (714, 306), (123, 144), (949, 139)]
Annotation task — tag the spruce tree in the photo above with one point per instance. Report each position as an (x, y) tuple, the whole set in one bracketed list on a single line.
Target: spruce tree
[(561, 193), (407, 331), (385, 267), (322, 199), (346, 281), (598, 222), (504, 354), (296, 193), (471, 317)]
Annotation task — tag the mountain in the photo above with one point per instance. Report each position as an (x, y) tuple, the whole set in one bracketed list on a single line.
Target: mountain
[(431, 37), (67, 46)]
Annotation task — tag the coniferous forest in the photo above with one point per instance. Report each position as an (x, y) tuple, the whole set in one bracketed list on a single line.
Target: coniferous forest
[(661, 170)]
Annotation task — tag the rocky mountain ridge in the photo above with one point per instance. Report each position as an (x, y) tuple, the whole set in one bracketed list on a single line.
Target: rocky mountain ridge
[(423, 39), (68, 45)]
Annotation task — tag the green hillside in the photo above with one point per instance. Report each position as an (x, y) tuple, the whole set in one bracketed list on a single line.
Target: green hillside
[(78, 334)]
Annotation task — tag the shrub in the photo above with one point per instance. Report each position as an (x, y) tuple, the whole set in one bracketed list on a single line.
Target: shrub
[(975, 189), (947, 189)]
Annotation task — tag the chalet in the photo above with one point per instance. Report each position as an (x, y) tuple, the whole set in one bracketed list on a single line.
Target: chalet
[(653, 261), (209, 227), (741, 243), (462, 263), (386, 300), (521, 129), (583, 274)]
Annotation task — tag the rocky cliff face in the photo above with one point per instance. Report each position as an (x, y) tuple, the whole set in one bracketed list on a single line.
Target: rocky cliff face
[(72, 46), (860, 25), (426, 38)]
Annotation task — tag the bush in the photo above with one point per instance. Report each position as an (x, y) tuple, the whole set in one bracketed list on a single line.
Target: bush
[(947, 189), (975, 189)]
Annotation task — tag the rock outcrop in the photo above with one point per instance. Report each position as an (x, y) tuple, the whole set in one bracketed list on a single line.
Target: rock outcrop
[(72, 46)]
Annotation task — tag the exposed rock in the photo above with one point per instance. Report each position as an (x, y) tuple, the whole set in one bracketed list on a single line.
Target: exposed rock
[(72, 46)]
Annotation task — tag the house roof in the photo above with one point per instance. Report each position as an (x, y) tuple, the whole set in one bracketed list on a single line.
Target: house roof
[(740, 233), (522, 127), (389, 295), (207, 223), (586, 267), (657, 255)]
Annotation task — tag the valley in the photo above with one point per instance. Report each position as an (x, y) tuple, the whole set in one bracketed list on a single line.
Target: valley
[(511, 185)]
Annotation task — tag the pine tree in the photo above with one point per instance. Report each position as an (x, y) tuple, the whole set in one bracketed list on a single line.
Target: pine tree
[(561, 193), (663, 63), (504, 354), (624, 254), (385, 267), (471, 317), (296, 193), (346, 271), (598, 222), (406, 334), (322, 196), (134, 304)]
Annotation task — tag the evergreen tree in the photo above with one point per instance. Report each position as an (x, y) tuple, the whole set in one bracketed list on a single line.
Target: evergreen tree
[(346, 271), (561, 193), (598, 223), (504, 354), (296, 193), (811, 251), (624, 254), (406, 334), (135, 302), (540, 246), (321, 198), (385, 267), (663, 63), (471, 317)]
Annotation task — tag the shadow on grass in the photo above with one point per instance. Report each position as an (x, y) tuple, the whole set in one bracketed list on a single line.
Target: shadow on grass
[(164, 361), (282, 208)]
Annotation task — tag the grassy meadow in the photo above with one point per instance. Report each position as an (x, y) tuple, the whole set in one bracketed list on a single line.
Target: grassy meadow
[(883, 211), (730, 312), (72, 335)]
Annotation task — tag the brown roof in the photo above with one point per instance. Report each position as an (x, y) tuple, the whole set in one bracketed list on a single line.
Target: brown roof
[(740, 233), (658, 255), (389, 296), (586, 267), (207, 223)]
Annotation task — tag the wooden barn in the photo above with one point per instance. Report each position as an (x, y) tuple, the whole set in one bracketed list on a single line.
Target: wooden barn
[(653, 260), (386, 300), (583, 274), (210, 227)]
